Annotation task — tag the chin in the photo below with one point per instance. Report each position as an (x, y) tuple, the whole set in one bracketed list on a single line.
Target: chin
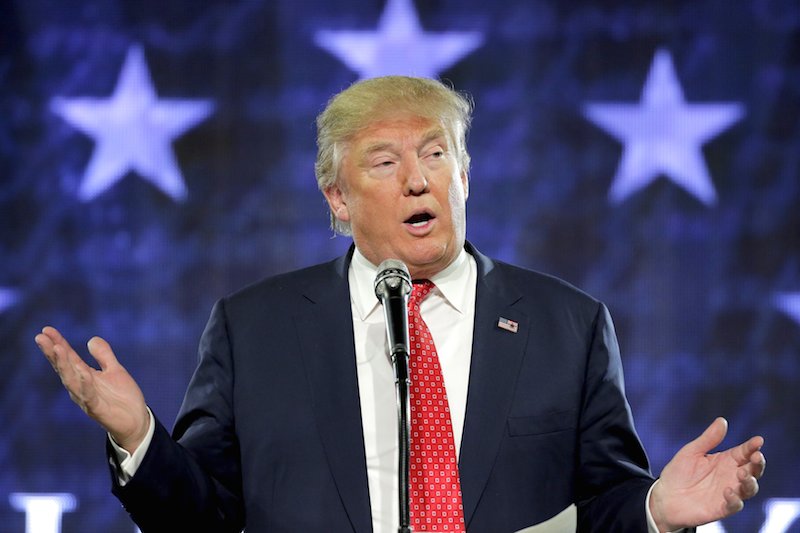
[(427, 260)]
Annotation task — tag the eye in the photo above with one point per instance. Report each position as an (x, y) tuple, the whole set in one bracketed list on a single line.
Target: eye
[(435, 153), (383, 166)]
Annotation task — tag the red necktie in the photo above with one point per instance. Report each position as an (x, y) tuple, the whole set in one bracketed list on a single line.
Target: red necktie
[(433, 477)]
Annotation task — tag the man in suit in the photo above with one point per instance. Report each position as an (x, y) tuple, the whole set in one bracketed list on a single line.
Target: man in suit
[(288, 423)]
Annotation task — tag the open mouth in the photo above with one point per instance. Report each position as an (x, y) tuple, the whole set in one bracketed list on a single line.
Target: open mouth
[(419, 220)]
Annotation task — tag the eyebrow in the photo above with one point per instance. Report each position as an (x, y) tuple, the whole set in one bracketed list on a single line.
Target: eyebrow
[(429, 136), (433, 135)]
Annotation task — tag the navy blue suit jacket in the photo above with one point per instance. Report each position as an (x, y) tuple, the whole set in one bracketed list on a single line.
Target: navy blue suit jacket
[(269, 435)]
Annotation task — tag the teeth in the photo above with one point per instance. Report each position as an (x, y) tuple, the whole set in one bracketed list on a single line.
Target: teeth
[(419, 224)]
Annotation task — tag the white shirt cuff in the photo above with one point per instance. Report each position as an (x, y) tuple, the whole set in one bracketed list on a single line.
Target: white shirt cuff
[(129, 462), (651, 524)]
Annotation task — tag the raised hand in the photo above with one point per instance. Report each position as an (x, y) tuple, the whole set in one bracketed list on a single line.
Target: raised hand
[(697, 487), (109, 395)]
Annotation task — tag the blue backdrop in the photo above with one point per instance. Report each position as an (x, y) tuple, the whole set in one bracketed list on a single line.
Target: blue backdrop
[(155, 156)]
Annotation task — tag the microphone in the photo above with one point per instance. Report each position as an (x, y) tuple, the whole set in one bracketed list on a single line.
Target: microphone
[(392, 287)]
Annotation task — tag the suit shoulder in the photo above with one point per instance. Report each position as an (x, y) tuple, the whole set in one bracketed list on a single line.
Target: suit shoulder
[(548, 288), (286, 285)]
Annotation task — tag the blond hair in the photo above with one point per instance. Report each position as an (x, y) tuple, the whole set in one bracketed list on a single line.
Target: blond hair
[(369, 100)]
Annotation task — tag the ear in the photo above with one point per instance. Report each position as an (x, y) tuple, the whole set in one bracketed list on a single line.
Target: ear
[(465, 183), (337, 201)]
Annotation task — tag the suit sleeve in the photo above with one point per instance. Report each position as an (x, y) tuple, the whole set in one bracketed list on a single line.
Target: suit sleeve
[(614, 474), (192, 480)]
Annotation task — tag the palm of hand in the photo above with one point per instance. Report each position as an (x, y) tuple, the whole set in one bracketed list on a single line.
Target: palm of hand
[(697, 487), (109, 395)]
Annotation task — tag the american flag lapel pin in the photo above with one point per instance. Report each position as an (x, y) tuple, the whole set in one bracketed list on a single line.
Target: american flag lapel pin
[(508, 324)]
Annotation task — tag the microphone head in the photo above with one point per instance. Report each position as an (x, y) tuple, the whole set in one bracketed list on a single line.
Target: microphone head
[(392, 278)]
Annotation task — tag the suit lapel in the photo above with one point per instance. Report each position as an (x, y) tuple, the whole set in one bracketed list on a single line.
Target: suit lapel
[(496, 357), (325, 329)]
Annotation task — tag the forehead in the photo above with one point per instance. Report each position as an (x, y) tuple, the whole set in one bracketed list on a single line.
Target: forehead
[(397, 129)]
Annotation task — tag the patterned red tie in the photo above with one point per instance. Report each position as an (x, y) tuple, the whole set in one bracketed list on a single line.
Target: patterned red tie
[(433, 477)]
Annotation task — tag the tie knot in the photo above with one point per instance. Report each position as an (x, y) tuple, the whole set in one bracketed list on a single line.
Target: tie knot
[(420, 289)]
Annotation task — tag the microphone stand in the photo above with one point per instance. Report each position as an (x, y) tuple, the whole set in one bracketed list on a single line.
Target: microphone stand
[(393, 288), (399, 355)]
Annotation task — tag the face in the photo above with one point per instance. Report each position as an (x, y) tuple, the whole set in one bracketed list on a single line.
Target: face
[(401, 189)]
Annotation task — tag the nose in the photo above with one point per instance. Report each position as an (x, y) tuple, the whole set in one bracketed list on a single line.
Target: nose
[(416, 183)]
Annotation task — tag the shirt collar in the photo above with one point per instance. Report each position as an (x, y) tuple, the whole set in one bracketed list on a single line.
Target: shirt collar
[(450, 283)]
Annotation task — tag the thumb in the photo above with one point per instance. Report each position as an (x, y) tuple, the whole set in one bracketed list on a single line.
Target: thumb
[(102, 352), (710, 438)]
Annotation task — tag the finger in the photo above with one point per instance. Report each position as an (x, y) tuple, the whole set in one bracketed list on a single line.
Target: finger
[(733, 503), (43, 341), (45, 344), (102, 352), (58, 340), (72, 368), (76, 385), (710, 438), (54, 335), (50, 332), (742, 453), (65, 369), (748, 486), (756, 465)]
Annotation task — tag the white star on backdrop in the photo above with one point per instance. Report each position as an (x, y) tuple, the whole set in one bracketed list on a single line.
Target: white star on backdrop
[(133, 130), (663, 134), (789, 303), (8, 297), (399, 45)]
